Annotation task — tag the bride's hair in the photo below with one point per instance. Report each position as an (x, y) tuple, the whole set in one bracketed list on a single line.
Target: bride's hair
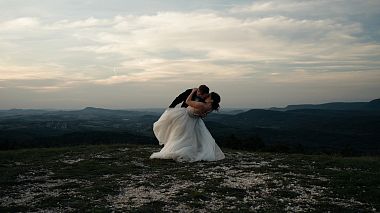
[(215, 101)]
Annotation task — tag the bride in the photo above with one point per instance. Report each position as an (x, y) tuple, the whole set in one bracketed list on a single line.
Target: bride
[(184, 134)]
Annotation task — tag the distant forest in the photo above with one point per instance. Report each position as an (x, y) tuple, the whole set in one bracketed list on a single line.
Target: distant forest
[(332, 128)]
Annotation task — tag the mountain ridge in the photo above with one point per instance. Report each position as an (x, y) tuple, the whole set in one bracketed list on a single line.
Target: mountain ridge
[(308, 128), (370, 105)]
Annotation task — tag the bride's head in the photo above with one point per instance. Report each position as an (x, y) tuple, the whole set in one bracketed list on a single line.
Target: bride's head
[(214, 99)]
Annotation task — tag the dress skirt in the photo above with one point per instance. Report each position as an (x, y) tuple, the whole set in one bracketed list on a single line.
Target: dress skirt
[(185, 137)]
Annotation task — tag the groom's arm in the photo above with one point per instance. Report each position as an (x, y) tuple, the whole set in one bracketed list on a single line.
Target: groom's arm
[(180, 98), (195, 104)]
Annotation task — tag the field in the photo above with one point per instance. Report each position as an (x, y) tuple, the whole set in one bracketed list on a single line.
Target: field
[(122, 178)]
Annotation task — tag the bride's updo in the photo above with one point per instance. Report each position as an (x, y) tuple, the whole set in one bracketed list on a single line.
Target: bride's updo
[(215, 101)]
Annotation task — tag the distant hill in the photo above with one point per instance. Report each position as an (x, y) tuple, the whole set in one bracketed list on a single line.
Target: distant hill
[(12, 112), (317, 129), (371, 105), (333, 127)]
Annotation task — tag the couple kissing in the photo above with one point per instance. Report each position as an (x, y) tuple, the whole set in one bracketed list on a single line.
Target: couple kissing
[(182, 131)]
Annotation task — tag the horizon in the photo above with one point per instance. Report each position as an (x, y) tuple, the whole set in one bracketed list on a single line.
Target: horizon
[(134, 55), (162, 108)]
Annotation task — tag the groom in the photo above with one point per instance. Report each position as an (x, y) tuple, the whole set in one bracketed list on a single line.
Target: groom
[(200, 96)]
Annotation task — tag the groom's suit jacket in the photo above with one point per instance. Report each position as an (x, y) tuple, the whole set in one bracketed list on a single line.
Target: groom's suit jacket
[(182, 98)]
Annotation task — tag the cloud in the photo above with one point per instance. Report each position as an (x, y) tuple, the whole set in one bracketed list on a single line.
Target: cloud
[(17, 72), (21, 23), (212, 39), (268, 41), (41, 78), (175, 71), (217, 35), (281, 6), (90, 22), (321, 78), (320, 8)]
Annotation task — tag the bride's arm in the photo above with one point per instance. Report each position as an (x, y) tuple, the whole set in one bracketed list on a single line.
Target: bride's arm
[(195, 104)]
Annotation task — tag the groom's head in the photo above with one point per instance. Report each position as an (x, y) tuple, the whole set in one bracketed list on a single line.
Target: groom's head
[(203, 91)]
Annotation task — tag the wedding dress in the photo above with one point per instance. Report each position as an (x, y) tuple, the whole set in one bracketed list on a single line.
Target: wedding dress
[(185, 137)]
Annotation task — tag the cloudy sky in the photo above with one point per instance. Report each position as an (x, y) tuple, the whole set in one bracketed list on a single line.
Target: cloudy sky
[(69, 54)]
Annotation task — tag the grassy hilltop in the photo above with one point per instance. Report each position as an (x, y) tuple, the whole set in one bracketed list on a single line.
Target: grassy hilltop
[(123, 178)]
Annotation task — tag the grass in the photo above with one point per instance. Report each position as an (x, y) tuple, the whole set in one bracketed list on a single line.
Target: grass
[(123, 178)]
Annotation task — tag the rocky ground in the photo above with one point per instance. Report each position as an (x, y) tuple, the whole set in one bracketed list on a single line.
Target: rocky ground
[(122, 178)]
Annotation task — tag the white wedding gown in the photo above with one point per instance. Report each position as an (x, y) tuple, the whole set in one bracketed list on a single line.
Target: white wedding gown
[(185, 137)]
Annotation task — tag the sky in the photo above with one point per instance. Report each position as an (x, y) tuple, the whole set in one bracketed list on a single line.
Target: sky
[(119, 54)]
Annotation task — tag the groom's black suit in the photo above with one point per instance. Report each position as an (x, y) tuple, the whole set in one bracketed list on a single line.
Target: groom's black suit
[(182, 98)]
